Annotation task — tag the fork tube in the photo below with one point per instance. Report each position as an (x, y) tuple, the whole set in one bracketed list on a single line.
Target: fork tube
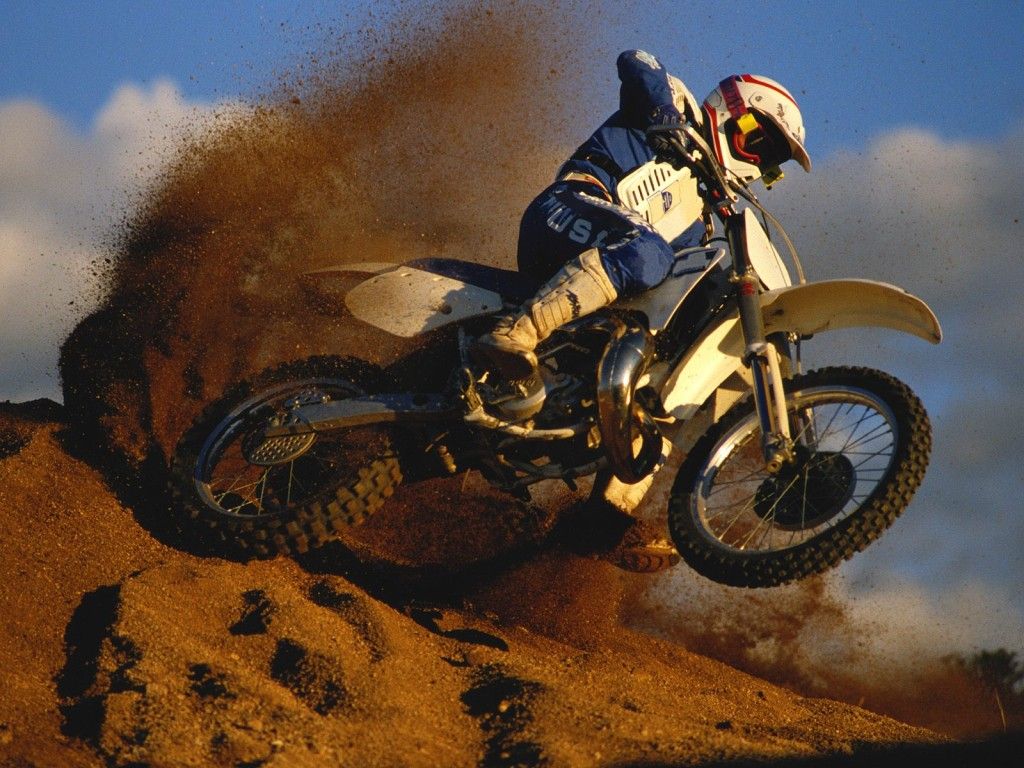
[(774, 426), (748, 298)]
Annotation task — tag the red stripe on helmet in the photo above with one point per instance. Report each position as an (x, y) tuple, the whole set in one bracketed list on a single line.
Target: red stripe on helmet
[(731, 94), (714, 133), (777, 89)]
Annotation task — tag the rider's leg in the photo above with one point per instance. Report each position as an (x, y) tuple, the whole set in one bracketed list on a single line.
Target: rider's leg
[(624, 539), (625, 256), (606, 251), (579, 288)]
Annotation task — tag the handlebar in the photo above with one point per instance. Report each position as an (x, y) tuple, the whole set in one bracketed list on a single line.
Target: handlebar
[(720, 192), (692, 151)]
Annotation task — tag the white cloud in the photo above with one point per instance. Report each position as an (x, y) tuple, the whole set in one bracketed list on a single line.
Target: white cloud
[(60, 195)]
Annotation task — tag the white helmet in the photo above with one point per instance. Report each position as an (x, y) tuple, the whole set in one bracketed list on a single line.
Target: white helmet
[(754, 125)]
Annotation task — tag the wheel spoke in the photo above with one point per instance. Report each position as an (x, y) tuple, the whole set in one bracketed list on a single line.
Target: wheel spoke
[(239, 490), (870, 456), (230, 488), (769, 516), (863, 441), (746, 508), (822, 434), (743, 506), (263, 489), (745, 479), (231, 485)]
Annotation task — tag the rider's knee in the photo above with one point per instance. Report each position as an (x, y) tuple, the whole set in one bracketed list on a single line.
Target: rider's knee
[(638, 264)]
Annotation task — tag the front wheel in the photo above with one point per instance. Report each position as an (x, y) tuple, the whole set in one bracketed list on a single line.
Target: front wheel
[(862, 446), (283, 494)]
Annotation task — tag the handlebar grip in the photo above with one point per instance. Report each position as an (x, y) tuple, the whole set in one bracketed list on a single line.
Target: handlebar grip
[(670, 143)]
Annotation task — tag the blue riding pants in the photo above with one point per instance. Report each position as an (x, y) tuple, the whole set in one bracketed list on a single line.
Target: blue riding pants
[(570, 217)]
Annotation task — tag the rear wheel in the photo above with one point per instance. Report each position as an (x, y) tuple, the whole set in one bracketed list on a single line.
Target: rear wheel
[(863, 442), (283, 494)]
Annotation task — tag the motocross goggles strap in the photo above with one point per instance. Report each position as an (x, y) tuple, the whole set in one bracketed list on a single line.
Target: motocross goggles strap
[(746, 124), (734, 103)]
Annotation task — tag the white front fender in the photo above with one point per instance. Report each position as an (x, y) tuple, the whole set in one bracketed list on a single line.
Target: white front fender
[(804, 309), (831, 304)]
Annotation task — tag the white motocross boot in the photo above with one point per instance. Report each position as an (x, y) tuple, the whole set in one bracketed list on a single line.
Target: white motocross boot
[(578, 288), (633, 544)]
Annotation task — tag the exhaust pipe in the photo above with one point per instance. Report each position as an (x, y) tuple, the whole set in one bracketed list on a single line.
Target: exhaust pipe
[(620, 418)]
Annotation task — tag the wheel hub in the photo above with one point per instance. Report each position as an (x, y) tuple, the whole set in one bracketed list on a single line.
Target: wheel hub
[(808, 492)]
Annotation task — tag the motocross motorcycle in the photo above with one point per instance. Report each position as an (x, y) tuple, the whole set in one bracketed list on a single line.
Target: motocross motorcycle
[(786, 472)]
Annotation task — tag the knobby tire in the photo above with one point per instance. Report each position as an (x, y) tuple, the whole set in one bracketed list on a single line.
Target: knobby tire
[(297, 527), (726, 564)]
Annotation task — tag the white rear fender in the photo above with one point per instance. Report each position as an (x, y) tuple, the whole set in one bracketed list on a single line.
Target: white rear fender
[(803, 309), (405, 301)]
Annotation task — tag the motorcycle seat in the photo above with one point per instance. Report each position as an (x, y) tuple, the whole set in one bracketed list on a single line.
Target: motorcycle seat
[(511, 285)]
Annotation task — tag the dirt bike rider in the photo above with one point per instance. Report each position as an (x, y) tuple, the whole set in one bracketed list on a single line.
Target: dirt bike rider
[(595, 247)]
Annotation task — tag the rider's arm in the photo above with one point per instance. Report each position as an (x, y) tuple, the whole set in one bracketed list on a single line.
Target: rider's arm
[(645, 90)]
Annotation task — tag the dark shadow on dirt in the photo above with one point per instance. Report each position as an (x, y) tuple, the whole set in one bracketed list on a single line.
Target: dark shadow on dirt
[(108, 406), (404, 585), (141, 487), (83, 708), (355, 613), (19, 420), (429, 618), (1003, 751), (312, 677), (257, 613), (503, 706), (411, 587)]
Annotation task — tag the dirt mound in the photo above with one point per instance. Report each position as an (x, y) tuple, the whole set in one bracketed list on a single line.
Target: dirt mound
[(327, 674), (65, 534), (119, 650), (119, 647)]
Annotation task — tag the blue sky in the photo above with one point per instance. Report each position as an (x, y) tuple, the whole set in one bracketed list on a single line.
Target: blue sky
[(915, 120), (856, 68)]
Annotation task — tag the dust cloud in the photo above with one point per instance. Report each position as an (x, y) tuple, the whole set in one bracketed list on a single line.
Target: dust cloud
[(808, 638), (816, 637), (420, 143)]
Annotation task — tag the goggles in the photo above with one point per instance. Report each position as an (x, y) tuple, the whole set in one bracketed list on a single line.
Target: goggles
[(753, 136), (757, 140)]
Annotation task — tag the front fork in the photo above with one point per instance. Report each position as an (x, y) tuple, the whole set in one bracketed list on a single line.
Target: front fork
[(761, 356)]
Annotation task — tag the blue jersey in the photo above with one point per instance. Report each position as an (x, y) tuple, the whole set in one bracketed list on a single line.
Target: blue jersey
[(582, 209), (620, 144)]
